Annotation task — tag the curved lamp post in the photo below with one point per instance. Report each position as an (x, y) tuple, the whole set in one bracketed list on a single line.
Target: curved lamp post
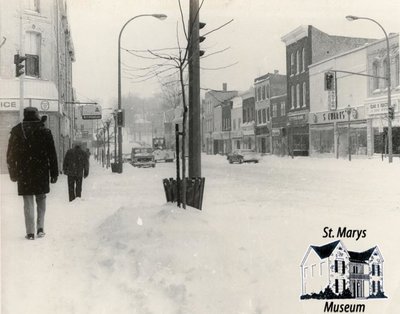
[(158, 16), (388, 78)]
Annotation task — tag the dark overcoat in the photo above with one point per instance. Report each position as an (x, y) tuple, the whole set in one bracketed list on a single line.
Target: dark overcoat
[(32, 157), (76, 163)]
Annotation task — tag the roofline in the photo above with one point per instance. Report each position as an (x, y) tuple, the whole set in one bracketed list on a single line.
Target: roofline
[(365, 46), (296, 34)]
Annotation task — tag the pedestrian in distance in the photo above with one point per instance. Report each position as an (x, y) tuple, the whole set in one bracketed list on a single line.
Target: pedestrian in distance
[(76, 167), (32, 163)]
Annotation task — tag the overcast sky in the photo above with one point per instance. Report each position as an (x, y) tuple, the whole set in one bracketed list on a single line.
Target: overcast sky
[(253, 39)]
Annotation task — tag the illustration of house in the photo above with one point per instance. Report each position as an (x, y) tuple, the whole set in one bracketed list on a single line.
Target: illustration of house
[(334, 266)]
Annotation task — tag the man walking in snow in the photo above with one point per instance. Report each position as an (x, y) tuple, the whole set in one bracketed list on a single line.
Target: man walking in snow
[(31, 160), (76, 167)]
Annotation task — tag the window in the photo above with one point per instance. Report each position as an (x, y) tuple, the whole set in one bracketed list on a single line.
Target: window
[(283, 111), (259, 93), (263, 93), (267, 91), (313, 267), (343, 267), (304, 94), (379, 286), (336, 266), (274, 111), (234, 124), (32, 5), (303, 55), (298, 62), (336, 285), (297, 95), (344, 285), (373, 270), (373, 287), (264, 115), (239, 122), (378, 270), (292, 69), (375, 72), (259, 116), (292, 96), (32, 52), (268, 114)]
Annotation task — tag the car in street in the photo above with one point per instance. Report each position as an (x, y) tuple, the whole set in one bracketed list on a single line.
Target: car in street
[(142, 157), (243, 155)]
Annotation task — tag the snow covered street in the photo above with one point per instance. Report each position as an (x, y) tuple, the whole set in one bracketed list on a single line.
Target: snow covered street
[(123, 249)]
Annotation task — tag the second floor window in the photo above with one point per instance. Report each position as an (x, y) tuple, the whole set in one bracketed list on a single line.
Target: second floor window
[(264, 115), (304, 94), (292, 95), (292, 68), (274, 111), (32, 53), (283, 111), (298, 62), (303, 63), (375, 72), (297, 96), (259, 117)]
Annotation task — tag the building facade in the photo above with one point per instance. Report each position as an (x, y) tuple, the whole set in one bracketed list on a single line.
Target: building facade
[(376, 101), (306, 45), (212, 121), (279, 125), (266, 87), (236, 120), (249, 119), (44, 37)]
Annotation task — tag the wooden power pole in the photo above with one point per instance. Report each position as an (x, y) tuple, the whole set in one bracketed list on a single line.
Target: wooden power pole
[(194, 92)]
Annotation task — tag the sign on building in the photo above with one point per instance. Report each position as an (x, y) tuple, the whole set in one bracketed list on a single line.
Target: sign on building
[(91, 112)]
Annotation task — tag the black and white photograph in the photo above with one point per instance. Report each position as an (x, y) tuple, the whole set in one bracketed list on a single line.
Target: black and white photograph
[(199, 156)]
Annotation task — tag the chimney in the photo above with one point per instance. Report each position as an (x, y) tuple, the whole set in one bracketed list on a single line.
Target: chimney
[(276, 71), (224, 87)]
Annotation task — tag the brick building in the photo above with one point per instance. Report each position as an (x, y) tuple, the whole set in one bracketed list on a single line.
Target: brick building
[(306, 45)]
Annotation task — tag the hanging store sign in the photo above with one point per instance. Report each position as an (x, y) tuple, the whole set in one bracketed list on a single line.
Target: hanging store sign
[(91, 112)]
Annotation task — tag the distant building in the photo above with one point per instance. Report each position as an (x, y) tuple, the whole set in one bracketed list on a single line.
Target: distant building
[(236, 122), (212, 121), (47, 44), (306, 45), (265, 87), (249, 119), (332, 265)]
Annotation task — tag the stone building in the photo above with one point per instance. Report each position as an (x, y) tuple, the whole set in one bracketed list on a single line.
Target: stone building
[(44, 37)]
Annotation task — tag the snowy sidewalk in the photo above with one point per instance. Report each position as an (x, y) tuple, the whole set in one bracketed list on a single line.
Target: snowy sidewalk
[(123, 250)]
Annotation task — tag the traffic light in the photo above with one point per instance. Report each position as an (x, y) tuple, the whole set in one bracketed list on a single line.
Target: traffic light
[(391, 113), (201, 38), (329, 81), (19, 67), (121, 118)]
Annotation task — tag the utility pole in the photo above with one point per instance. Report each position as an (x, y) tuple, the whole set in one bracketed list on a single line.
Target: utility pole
[(194, 92)]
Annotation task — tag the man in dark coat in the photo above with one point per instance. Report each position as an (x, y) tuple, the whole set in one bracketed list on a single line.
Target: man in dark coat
[(31, 159), (76, 166)]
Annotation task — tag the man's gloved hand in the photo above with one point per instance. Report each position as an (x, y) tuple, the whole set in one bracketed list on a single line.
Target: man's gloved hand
[(53, 179)]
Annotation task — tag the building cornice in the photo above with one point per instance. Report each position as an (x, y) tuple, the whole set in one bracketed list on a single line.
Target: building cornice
[(295, 35)]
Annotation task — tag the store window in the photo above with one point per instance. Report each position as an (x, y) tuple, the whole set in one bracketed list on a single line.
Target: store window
[(322, 140), (32, 53)]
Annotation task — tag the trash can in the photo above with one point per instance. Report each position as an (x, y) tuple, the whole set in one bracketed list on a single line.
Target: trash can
[(194, 191), (116, 167)]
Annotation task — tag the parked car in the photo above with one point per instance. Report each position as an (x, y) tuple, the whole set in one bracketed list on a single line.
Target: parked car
[(142, 157), (243, 155)]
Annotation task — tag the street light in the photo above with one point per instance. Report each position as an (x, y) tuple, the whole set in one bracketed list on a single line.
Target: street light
[(388, 78), (158, 16)]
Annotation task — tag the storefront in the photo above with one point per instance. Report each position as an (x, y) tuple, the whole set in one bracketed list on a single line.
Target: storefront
[(236, 138), (377, 115), (9, 108), (249, 136), (337, 133), (263, 139), (298, 134)]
